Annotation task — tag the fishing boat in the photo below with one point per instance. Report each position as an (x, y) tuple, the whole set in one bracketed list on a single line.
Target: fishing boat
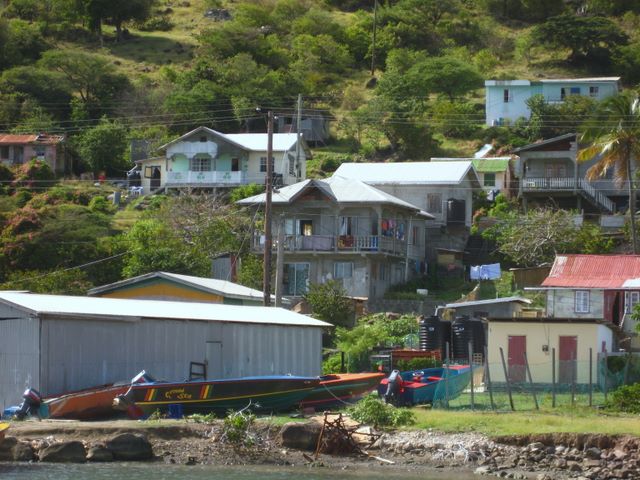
[(341, 388), (415, 387), (3, 429), (264, 394)]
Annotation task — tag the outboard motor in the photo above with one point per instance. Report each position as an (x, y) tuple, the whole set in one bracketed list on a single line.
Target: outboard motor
[(31, 401), (394, 388)]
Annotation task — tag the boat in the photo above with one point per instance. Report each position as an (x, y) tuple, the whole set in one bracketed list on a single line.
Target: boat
[(3, 429), (341, 388), (429, 385), (90, 403), (262, 394)]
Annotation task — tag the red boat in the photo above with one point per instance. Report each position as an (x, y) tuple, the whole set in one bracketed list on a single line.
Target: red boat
[(341, 388)]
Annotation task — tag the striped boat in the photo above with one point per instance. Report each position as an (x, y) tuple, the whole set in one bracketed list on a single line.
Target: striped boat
[(341, 388), (263, 394)]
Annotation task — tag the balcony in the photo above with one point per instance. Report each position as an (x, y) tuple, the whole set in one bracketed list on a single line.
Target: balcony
[(373, 244), (206, 178), (568, 184)]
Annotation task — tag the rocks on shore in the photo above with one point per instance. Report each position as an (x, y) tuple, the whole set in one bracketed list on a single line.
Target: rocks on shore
[(126, 446), (301, 436)]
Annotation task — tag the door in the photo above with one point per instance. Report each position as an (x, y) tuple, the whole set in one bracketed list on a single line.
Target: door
[(214, 360), (235, 164), (155, 178), (568, 355), (516, 363)]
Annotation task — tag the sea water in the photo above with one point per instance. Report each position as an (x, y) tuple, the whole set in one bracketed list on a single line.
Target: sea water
[(138, 471)]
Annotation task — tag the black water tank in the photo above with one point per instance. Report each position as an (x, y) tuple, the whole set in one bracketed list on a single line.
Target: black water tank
[(445, 337), (430, 333), (465, 330), (456, 211)]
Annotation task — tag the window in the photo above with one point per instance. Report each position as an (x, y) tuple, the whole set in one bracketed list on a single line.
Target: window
[(235, 164), (296, 278), (203, 139), (292, 165), (563, 93), (39, 151), (263, 163), (348, 225), (506, 96), (343, 270), (4, 152), (631, 299), (575, 90), (200, 163), (581, 301), (434, 202), (489, 179), (382, 272), (415, 235), (594, 91), (555, 170)]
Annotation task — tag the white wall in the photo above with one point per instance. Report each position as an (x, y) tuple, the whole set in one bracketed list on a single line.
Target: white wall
[(590, 335), (561, 304)]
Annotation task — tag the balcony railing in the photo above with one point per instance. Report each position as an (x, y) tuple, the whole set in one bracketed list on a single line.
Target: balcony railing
[(342, 243), (566, 184), (206, 178)]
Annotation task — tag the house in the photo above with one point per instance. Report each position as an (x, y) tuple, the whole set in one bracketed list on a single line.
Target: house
[(346, 230), (504, 307), (19, 149), (57, 343), (549, 173), (494, 173), (444, 189), (205, 158), (174, 287), (506, 100), (314, 125)]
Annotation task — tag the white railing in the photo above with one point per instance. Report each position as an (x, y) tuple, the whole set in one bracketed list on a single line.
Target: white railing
[(205, 178), (567, 184)]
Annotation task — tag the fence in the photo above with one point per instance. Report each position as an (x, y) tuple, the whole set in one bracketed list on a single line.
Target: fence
[(547, 385)]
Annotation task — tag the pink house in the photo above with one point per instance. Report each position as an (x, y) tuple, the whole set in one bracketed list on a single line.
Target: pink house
[(18, 149)]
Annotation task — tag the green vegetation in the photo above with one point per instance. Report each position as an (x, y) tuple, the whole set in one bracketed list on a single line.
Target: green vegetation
[(373, 411), (625, 399), (328, 302)]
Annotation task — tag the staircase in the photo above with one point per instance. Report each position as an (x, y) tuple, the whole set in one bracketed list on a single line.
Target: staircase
[(565, 184), (595, 197)]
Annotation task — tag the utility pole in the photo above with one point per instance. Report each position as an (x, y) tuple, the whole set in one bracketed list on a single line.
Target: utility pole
[(373, 46), (280, 260), (299, 133), (268, 242)]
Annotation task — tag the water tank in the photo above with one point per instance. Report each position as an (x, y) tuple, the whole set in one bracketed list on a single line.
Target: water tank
[(445, 337), (430, 333), (456, 211), (465, 330)]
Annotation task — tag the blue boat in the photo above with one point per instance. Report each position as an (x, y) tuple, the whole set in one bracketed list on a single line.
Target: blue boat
[(429, 385)]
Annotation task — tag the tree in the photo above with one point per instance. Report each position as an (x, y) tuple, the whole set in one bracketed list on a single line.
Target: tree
[(613, 135), (117, 12), (590, 38), (329, 302), (104, 147)]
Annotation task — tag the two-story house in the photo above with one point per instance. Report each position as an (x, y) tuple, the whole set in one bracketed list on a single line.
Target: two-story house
[(549, 172), (589, 299), (205, 158), (506, 100), (444, 189), (494, 173), (346, 230), (19, 149)]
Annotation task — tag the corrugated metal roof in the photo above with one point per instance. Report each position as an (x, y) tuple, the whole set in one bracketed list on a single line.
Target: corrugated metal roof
[(13, 139), (489, 302), (256, 142), (340, 189), (98, 307), (545, 142), (491, 165), (409, 173), (220, 287), (39, 139), (593, 271)]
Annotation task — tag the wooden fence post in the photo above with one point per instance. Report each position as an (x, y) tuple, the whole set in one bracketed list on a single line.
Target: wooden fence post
[(533, 390), (591, 377), (553, 377), (471, 369), (488, 377)]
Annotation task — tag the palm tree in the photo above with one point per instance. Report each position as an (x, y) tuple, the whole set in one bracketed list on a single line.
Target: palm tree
[(613, 136)]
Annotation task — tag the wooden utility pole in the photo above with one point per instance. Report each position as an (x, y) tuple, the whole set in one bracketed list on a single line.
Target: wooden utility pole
[(299, 134), (373, 43), (268, 242), (280, 260)]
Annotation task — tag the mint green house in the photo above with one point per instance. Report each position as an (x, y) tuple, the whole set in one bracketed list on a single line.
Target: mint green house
[(205, 158)]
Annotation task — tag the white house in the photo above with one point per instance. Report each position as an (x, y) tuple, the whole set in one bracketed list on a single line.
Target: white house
[(206, 158), (506, 100), (494, 173)]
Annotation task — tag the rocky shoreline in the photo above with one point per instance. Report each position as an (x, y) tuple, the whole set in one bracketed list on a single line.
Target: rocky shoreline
[(541, 457)]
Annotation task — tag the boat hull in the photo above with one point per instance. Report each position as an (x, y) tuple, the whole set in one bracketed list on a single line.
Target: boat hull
[(429, 385), (263, 394), (338, 389), (89, 404)]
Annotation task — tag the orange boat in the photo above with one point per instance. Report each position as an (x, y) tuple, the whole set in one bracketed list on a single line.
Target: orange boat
[(341, 388), (88, 404), (3, 429)]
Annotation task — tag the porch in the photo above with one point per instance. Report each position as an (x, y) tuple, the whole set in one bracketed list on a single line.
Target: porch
[(568, 184), (192, 178)]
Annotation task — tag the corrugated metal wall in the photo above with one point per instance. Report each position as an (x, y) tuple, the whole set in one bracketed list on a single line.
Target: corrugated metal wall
[(77, 354), (19, 353)]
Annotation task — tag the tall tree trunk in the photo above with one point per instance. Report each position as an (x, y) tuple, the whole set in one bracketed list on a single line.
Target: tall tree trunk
[(632, 205)]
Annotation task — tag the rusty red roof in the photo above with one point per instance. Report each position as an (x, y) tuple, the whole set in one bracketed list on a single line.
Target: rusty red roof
[(26, 139), (593, 271)]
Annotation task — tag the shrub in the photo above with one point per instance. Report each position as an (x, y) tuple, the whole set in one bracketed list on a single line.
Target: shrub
[(237, 428), (101, 205), (625, 399), (34, 174), (373, 411), (329, 302), (161, 23), (418, 364), (22, 197)]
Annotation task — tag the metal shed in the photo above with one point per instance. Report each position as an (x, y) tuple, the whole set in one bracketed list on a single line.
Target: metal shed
[(59, 343)]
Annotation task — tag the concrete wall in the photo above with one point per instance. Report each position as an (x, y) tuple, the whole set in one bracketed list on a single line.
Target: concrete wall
[(590, 335), (561, 304), (19, 353), (516, 107)]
